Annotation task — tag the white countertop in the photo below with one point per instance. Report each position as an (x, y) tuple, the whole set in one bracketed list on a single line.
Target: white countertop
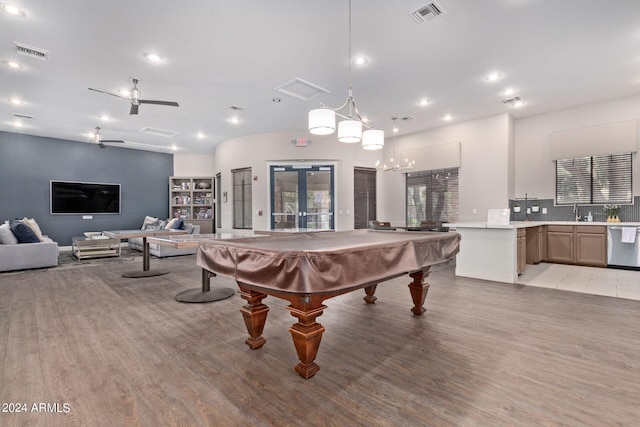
[(525, 224)]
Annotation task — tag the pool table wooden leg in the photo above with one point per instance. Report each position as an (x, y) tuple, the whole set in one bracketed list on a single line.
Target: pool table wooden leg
[(306, 335), (255, 316), (419, 288), (370, 291)]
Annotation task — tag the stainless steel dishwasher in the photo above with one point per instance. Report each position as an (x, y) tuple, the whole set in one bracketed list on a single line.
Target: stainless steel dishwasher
[(621, 252)]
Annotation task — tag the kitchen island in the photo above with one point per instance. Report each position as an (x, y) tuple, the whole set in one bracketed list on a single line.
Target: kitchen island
[(500, 252)]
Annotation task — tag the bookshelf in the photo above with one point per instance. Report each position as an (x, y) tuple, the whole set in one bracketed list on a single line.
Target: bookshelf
[(192, 198)]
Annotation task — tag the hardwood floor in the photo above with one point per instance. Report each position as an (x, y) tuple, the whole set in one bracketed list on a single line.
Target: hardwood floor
[(123, 352)]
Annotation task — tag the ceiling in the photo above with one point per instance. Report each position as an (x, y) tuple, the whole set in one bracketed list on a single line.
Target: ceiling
[(224, 53)]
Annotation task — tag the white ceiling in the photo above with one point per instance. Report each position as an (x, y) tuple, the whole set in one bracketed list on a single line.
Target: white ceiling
[(225, 53)]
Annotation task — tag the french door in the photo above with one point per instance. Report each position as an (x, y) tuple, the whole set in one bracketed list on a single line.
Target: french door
[(302, 197)]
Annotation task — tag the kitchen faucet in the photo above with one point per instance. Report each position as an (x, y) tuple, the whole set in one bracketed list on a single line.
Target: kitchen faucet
[(576, 211)]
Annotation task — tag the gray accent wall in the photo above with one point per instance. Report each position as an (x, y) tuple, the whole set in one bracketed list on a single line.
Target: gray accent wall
[(28, 164)]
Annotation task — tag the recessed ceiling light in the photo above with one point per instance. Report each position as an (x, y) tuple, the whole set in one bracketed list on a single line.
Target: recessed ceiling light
[(174, 147), (11, 9), (153, 57), (125, 92), (360, 60), (395, 130), (423, 102), (16, 101), (447, 117), (234, 120), (12, 64), (105, 118), (509, 91), (17, 123), (200, 135), (493, 77)]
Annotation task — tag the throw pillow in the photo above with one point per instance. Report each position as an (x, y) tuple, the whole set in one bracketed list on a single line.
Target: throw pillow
[(148, 221), (23, 232), (170, 224), (6, 235), (178, 224), (162, 224), (34, 226)]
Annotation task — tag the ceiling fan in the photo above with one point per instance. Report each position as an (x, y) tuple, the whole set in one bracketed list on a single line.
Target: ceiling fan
[(98, 139), (135, 98)]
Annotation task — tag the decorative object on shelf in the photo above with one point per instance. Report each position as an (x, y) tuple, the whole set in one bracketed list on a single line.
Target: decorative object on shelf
[(322, 121), (612, 212), (394, 165), (516, 208), (527, 209), (204, 185), (535, 208)]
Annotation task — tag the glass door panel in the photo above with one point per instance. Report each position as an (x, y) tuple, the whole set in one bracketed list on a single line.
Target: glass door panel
[(302, 197)]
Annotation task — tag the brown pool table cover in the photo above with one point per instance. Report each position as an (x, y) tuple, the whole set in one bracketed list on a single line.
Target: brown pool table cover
[(325, 262)]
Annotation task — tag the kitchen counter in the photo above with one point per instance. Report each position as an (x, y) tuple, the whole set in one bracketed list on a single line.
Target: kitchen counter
[(490, 252)]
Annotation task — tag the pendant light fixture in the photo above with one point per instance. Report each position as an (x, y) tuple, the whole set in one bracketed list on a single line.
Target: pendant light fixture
[(322, 121), (394, 165)]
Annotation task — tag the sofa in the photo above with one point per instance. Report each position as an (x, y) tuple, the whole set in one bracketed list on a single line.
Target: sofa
[(162, 251), (23, 256)]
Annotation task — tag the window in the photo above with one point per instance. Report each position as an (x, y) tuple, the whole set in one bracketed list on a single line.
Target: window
[(594, 180), (241, 198), (364, 195), (432, 196)]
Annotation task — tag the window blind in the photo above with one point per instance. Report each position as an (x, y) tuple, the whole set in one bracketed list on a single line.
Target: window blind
[(432, 196), (364, 197), (242, 198), (595, 180)]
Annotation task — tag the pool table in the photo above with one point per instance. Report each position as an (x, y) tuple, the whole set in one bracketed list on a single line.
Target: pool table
[(308, 268)]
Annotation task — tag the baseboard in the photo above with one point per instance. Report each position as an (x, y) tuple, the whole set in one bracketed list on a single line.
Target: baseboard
[(486, 275)]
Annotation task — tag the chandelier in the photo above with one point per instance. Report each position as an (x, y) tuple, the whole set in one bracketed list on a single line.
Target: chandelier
[(394, 165), (322, 121)]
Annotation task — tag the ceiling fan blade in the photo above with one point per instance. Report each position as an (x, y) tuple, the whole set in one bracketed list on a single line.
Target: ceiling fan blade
[(168, 103), (134, 109), (109, 93), (112, 140)]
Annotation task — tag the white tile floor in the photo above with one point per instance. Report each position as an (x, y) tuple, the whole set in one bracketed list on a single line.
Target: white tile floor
[(599, 281)]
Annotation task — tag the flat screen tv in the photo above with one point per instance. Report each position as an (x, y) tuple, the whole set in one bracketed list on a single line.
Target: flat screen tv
[(84, 198)]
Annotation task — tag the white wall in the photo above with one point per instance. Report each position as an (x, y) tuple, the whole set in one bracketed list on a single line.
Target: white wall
[(259, 151), (535, 171), (484, 167), (193, 165)]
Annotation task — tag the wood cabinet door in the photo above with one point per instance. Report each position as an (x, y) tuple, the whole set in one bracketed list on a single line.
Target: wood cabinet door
[(560, 247), (591, 249), (522, 254), (533, 245)]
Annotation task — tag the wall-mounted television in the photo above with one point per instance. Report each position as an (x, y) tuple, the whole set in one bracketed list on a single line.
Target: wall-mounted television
[(69, 197)]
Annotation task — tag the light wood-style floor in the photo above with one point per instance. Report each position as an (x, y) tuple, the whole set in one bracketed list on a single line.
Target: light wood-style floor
[(123, 352)]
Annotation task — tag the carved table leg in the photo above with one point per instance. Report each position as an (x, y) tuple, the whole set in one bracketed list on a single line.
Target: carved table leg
[(419, 288), (306, 335), (255, 316), (370, 298)]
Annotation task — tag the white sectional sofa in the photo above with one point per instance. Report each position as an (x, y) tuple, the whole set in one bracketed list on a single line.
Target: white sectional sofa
[(161, 251), (24, 256)]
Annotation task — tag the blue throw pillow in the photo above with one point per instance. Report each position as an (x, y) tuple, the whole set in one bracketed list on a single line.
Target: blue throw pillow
[(23, 232), (179, 224)]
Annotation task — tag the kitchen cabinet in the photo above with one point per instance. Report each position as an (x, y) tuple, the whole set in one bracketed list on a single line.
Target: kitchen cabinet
[(536, 245), (521, 249), (577, 244)]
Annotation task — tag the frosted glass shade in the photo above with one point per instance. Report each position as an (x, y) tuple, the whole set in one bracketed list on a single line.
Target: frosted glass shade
[(322, 121), (373, 139), (350, 131)]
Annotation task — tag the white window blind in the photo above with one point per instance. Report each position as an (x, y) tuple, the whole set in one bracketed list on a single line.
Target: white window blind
[(595, 180)]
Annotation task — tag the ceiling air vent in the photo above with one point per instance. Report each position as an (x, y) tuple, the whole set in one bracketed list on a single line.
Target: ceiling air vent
[(427, 12), (32, 52), (158, 132), (515, 101)]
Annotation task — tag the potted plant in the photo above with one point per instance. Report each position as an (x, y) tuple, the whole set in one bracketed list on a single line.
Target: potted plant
[(612, 212)]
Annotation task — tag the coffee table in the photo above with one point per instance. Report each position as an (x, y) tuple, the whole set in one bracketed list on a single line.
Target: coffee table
[(130, 234), (84, 247), (205, 293)]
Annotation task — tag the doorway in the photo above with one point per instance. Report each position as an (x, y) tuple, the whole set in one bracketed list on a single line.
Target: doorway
[(302, 197)]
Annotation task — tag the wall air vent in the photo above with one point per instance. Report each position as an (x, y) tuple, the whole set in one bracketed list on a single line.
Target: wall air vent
[(22, 116), (31, 52), (158, 132), (427, 12)]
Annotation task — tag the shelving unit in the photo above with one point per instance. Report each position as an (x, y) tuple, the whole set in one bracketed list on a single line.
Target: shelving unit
[(192, 198)]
